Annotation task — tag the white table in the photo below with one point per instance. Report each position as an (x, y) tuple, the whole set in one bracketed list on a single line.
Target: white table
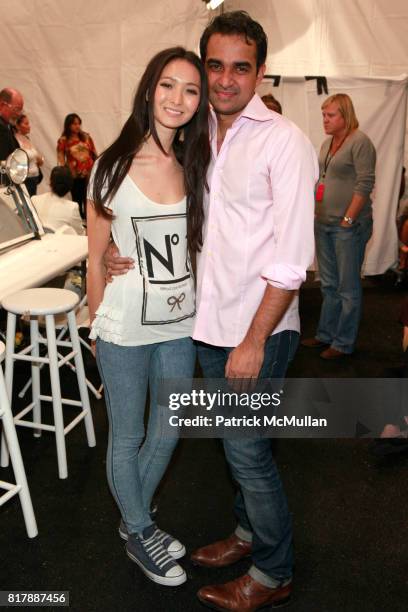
[(34, 263)]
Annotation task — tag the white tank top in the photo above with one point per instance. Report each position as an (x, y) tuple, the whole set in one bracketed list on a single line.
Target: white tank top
[(155, 301)]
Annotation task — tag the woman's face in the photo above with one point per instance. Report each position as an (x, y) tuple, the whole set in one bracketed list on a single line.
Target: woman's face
[(75, 126), (333, 121), (24, 126), (177, 94)]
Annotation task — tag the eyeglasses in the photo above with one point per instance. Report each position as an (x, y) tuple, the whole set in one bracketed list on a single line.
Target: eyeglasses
[(14, 108)]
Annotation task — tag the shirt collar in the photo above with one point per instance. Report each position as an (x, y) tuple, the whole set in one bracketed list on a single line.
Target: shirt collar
[(255, 110)]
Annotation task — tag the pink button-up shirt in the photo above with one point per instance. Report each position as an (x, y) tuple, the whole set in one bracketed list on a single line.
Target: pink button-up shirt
[(258, 223)]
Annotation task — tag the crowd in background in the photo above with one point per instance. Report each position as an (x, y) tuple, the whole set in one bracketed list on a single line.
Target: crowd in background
[(76, 153)]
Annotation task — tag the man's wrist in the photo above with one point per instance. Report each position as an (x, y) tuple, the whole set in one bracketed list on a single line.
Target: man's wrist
[(256, 337)]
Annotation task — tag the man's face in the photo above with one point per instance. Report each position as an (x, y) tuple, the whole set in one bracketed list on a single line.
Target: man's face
[(232, 74), (10, 111)]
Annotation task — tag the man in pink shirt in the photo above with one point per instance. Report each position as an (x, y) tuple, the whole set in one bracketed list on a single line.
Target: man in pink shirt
[(257, 245)]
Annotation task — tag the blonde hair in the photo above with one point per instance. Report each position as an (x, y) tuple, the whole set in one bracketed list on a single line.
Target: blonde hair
[(346, 109)]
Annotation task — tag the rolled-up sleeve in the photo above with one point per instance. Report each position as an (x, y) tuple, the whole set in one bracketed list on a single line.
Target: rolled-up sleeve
[(293, 175)]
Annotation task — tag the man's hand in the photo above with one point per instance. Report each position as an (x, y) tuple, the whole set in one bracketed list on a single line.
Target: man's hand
[(246, 360), (115, 264)]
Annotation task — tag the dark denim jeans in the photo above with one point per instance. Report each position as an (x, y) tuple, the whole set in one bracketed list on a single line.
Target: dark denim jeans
[(340, 255), (135, 464), (260, 506)]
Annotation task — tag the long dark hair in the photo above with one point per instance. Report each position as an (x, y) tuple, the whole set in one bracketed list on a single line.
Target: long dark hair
[(190, 145), (68, 121)]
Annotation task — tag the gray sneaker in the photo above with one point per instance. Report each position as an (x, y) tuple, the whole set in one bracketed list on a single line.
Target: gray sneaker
[(153, 559), (174, 547)]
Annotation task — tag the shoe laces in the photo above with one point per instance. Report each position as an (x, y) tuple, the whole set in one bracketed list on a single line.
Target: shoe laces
[(156, 551), (161, 536)]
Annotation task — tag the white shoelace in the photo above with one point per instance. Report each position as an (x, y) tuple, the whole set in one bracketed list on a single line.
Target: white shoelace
[(157, 552), (160, 535)]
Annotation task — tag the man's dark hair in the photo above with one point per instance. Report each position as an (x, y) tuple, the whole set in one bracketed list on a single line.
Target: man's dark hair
[(237, 22), (61, 180)]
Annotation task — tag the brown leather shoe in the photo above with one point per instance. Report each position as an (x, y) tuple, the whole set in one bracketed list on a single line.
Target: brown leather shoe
[(312, 343), (331, 354), (243, 595), (222, 553)]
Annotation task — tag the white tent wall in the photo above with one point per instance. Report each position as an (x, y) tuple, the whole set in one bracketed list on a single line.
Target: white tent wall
[(333, 37), (86, 57)]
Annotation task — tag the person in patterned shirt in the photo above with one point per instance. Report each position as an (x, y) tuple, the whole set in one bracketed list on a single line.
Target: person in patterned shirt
[(76, 150)]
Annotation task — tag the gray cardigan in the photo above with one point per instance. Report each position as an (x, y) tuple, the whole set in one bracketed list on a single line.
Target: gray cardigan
[(351, 170)]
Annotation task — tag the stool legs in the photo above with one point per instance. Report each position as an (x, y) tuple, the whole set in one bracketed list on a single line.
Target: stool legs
[(32, 353), (56, 397), (79, 365), (10, 435), (10, 339), (35, 374)]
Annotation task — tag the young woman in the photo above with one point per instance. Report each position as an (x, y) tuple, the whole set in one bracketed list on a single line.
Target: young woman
[(146, 189), (35, 158), (75, 149)]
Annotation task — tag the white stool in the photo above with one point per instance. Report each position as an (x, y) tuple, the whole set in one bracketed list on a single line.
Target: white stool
[(21, 486), (47, 302), (61, 327)]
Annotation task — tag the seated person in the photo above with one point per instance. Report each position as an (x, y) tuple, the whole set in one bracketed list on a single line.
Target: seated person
[(53, 209)]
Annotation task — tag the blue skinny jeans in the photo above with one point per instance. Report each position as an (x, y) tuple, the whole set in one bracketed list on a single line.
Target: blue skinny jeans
[(137, 459)]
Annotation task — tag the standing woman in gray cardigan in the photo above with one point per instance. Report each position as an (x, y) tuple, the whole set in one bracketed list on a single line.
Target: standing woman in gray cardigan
[(343, 225)]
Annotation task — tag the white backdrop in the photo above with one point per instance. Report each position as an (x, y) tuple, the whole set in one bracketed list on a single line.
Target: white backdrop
[(86, 57)]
